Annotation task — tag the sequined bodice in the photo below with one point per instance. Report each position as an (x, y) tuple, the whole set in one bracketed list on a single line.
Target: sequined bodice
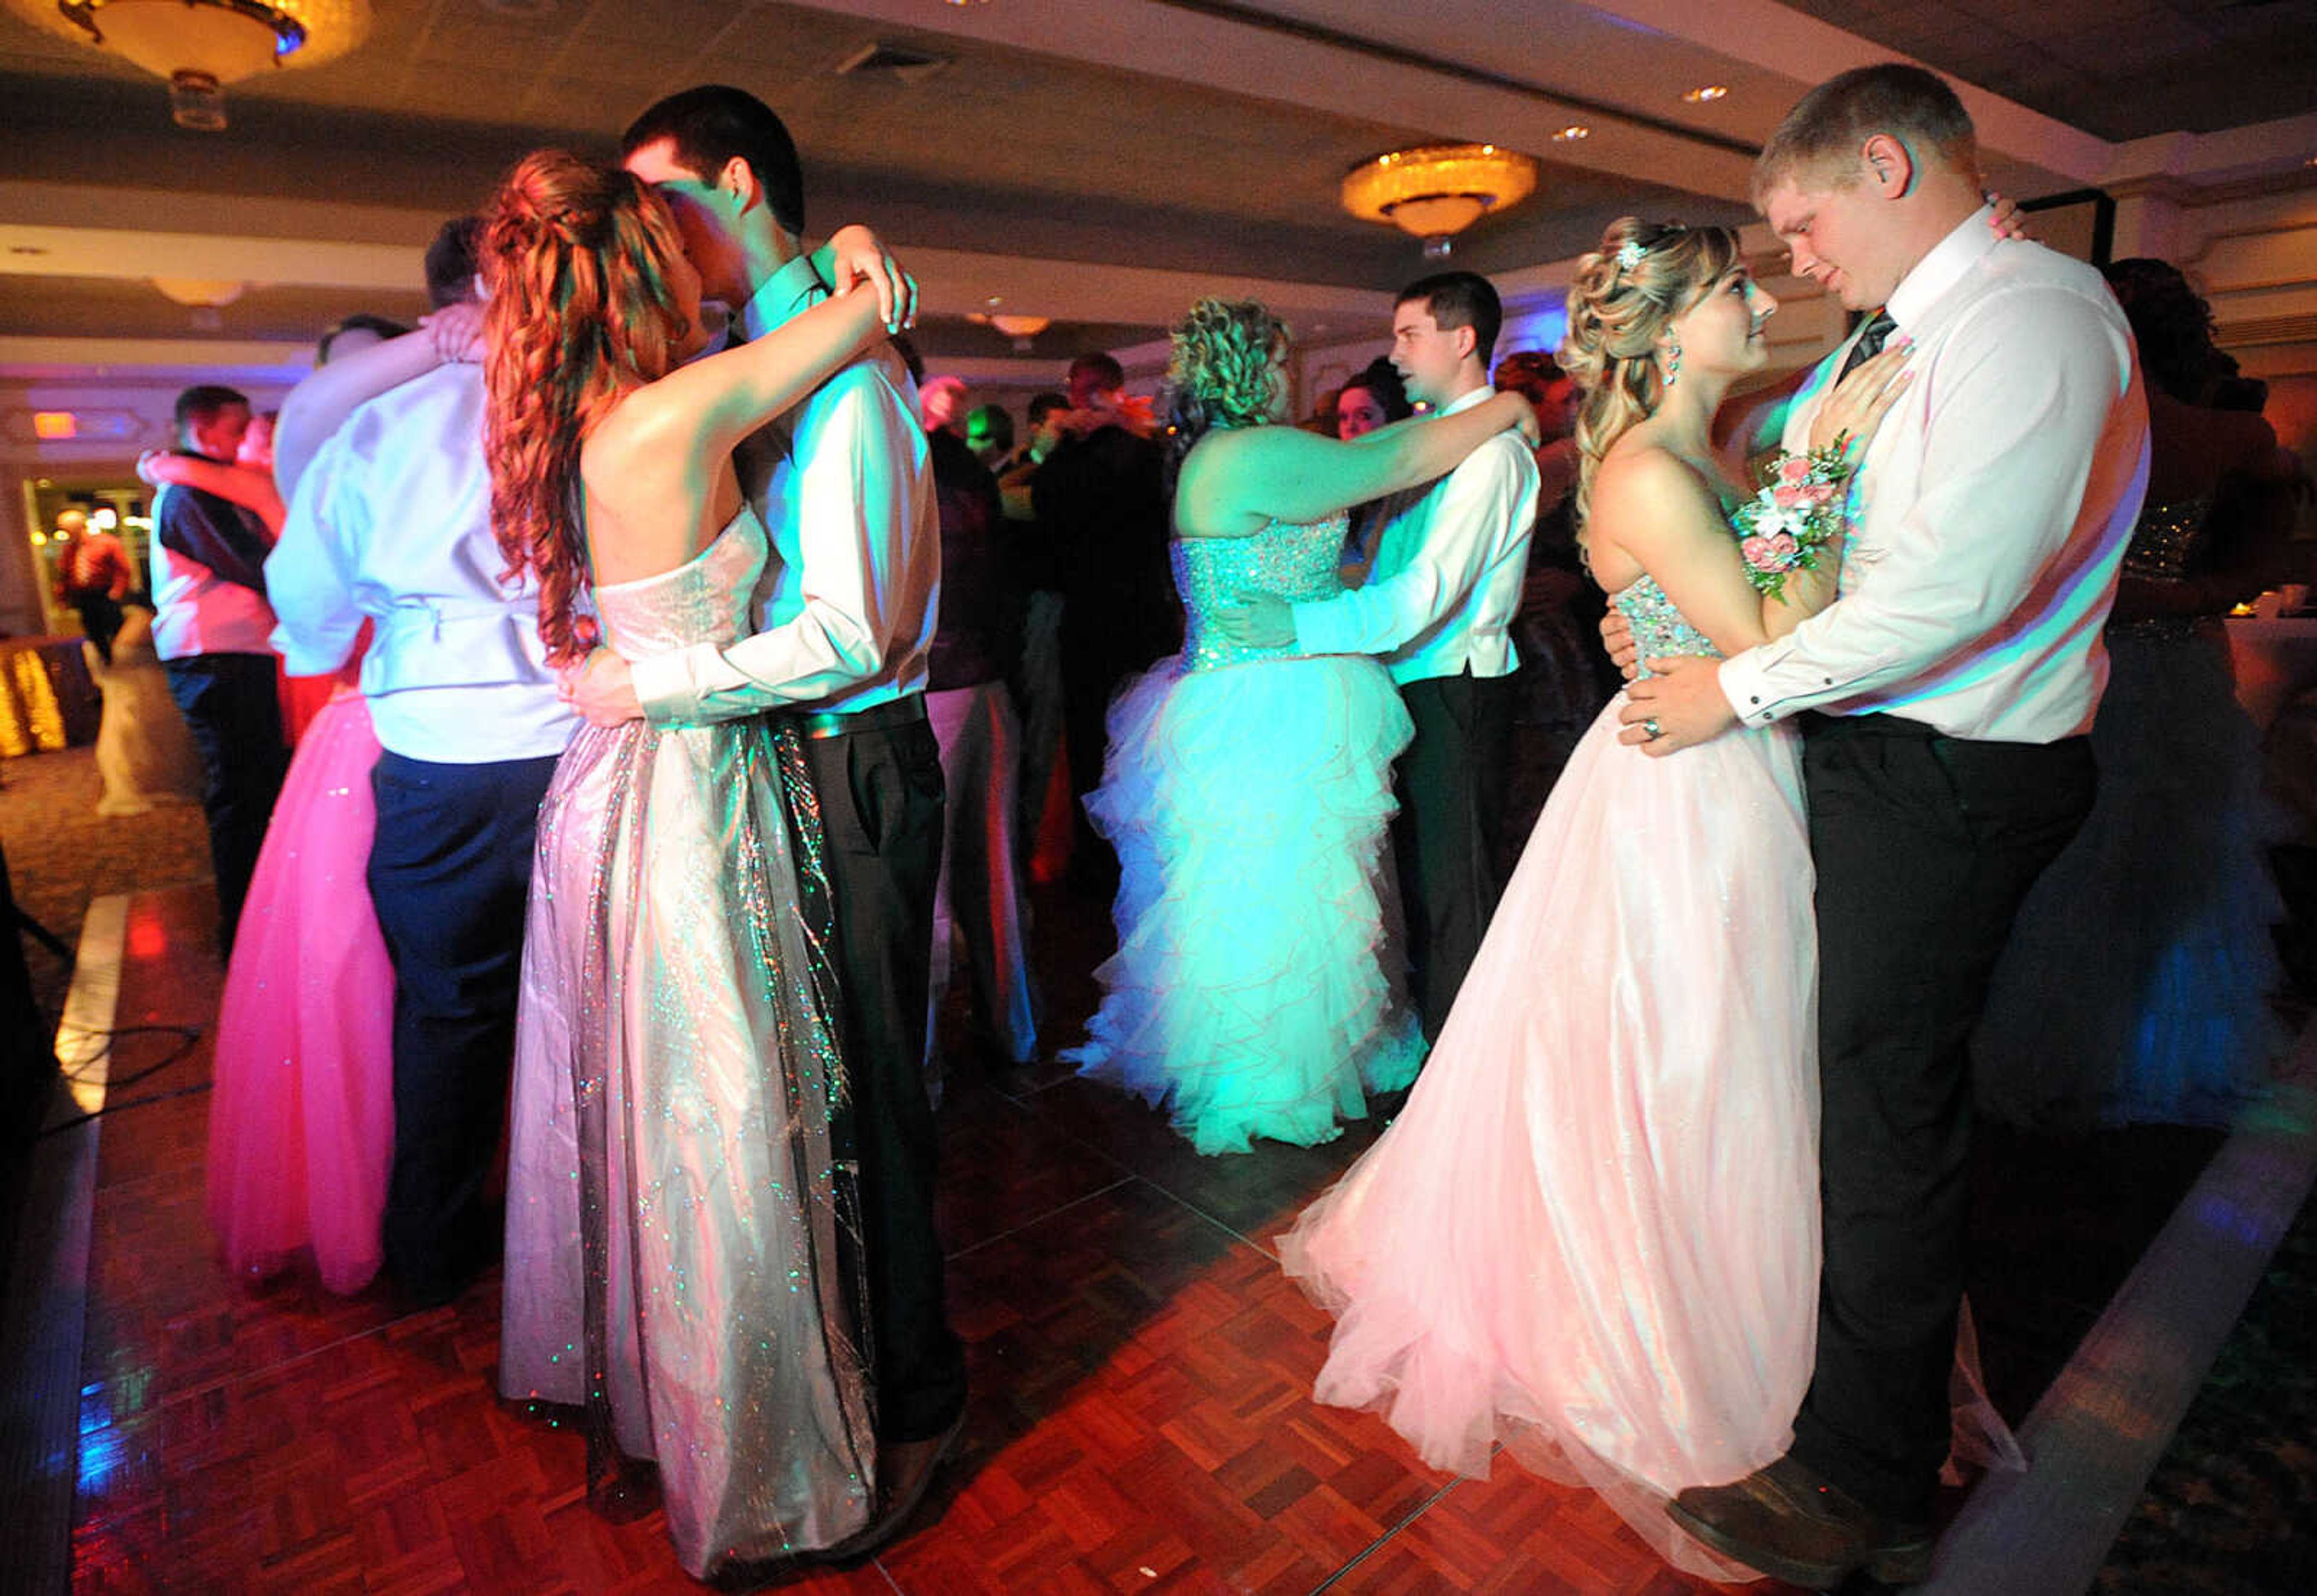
[(2165, 539), (1659, 632), (1293, 560), (706, 599)]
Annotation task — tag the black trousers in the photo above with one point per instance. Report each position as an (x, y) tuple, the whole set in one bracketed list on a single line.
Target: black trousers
[(1925, 847), (450, 874), (230, 706), (1451, 785), (881, 806), (100, 620)]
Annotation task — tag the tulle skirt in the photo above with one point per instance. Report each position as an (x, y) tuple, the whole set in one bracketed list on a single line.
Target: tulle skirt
[(301, 1116), (1592, 1234), (2135, 988), (1255, 990)]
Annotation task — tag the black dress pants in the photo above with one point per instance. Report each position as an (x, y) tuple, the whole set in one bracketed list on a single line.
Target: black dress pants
[(450, 876), (230, 706), (1925, 847), (882, 807), (1451, 785)]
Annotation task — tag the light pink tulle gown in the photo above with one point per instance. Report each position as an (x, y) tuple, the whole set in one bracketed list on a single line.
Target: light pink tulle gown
[(302, 1117), (1592, 1234)]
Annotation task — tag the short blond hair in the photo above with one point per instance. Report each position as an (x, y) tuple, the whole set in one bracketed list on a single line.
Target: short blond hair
[(1826, 130)]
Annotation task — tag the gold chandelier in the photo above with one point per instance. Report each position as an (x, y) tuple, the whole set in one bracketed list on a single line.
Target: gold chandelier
[(1437, 190), (201, 45)]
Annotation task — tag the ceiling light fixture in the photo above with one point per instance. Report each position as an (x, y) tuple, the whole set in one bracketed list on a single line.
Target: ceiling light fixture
[(1571, 133), (1706, 92), (201, 45), (1436, 191), (1020, 329)]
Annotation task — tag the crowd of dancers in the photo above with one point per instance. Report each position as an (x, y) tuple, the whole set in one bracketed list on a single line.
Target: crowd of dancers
[(629, 812)]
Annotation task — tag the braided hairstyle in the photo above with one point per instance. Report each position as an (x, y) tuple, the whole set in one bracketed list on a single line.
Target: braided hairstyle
[(1617, 311), (575, 253), (1219, 371)]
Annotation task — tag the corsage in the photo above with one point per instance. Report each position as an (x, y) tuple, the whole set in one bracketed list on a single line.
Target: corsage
[(1797, 512)]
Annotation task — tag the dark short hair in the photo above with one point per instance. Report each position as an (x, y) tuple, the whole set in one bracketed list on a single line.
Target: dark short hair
[(998, 419), (451, 262), (905, 347), (714, 122), (1102, 365), (204, 401), (361, 321), (1829, 124), (1044, 404), (1460, 299), (1380, 378)]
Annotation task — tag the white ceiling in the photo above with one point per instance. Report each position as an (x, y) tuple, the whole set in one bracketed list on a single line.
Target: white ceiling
[(1097, 163)]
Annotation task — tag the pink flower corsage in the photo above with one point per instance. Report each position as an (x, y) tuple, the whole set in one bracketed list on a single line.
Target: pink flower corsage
[(1797, 512)]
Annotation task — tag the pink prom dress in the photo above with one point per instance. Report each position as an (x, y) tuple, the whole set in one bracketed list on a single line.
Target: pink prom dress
[(301, 1116), (1592, 1234)]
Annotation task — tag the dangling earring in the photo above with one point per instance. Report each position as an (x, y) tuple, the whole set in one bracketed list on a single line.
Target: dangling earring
[(1673, 362)]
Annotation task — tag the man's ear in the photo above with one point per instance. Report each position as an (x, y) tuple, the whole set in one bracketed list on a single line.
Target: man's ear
[(1890, 166), (1468, 340), (738, 179)]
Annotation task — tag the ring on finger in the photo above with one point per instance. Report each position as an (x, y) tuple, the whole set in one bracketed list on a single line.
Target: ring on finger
[(1651, 730)]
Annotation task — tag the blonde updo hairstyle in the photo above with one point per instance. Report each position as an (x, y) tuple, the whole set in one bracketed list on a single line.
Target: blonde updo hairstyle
[(1219, 373), (1616, 315)]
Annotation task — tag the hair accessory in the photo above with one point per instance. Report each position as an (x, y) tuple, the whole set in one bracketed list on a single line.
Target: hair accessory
[(1629, 254)]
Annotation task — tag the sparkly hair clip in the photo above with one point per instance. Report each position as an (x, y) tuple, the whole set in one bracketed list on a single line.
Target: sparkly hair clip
[(1629, 254)]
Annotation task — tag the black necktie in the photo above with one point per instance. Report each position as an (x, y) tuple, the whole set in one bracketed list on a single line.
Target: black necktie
[(1878, 327)]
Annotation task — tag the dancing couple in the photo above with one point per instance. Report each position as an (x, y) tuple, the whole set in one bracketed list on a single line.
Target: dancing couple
[(720, 1225), (1677, 1207)]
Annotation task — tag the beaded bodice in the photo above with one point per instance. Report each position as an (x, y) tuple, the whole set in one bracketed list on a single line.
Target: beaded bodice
[(1293, 560), (706, 599), (1659, 632), (2165, 539)]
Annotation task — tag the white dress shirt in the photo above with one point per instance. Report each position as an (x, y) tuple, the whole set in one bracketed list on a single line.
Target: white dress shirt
[(1446, 581), (196, 611), (392, 522), (847, 602), (1990, 516)]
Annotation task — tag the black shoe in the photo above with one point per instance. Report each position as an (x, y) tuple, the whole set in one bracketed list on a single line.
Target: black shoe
[(1787, 1522)]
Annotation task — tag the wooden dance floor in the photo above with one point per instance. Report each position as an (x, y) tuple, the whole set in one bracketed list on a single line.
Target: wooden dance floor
[(1140, 1418)]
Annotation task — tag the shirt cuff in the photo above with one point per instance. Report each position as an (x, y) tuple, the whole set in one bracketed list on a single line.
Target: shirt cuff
[(665, 687), (1311, 627), (1745, 683)]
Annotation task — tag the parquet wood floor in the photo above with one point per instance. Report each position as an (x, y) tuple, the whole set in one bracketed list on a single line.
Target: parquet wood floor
[(1140, 1418)]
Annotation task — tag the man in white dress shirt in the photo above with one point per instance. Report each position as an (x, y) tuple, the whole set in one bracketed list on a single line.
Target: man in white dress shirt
[(1943, 699), (1438, 606), (390, 523), (848, 607), (209, 627)]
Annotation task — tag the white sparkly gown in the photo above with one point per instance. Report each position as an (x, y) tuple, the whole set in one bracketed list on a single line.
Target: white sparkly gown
[(1592, 1234), (683, 1227), (1255, 991)]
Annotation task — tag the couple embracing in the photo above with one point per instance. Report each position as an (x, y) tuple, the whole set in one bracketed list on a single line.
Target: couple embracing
[(1677, 1207), (720, 1211)]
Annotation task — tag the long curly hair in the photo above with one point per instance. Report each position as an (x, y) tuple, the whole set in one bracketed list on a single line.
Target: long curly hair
[(575, 253), (1219, 373), (1615, 314), (2173, 325)]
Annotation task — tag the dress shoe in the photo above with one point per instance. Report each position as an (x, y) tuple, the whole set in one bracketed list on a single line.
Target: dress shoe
[(905, 1471), (1787, 1522)]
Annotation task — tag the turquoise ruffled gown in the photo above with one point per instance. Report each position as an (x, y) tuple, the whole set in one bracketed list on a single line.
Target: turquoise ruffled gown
[(1257, 988)]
